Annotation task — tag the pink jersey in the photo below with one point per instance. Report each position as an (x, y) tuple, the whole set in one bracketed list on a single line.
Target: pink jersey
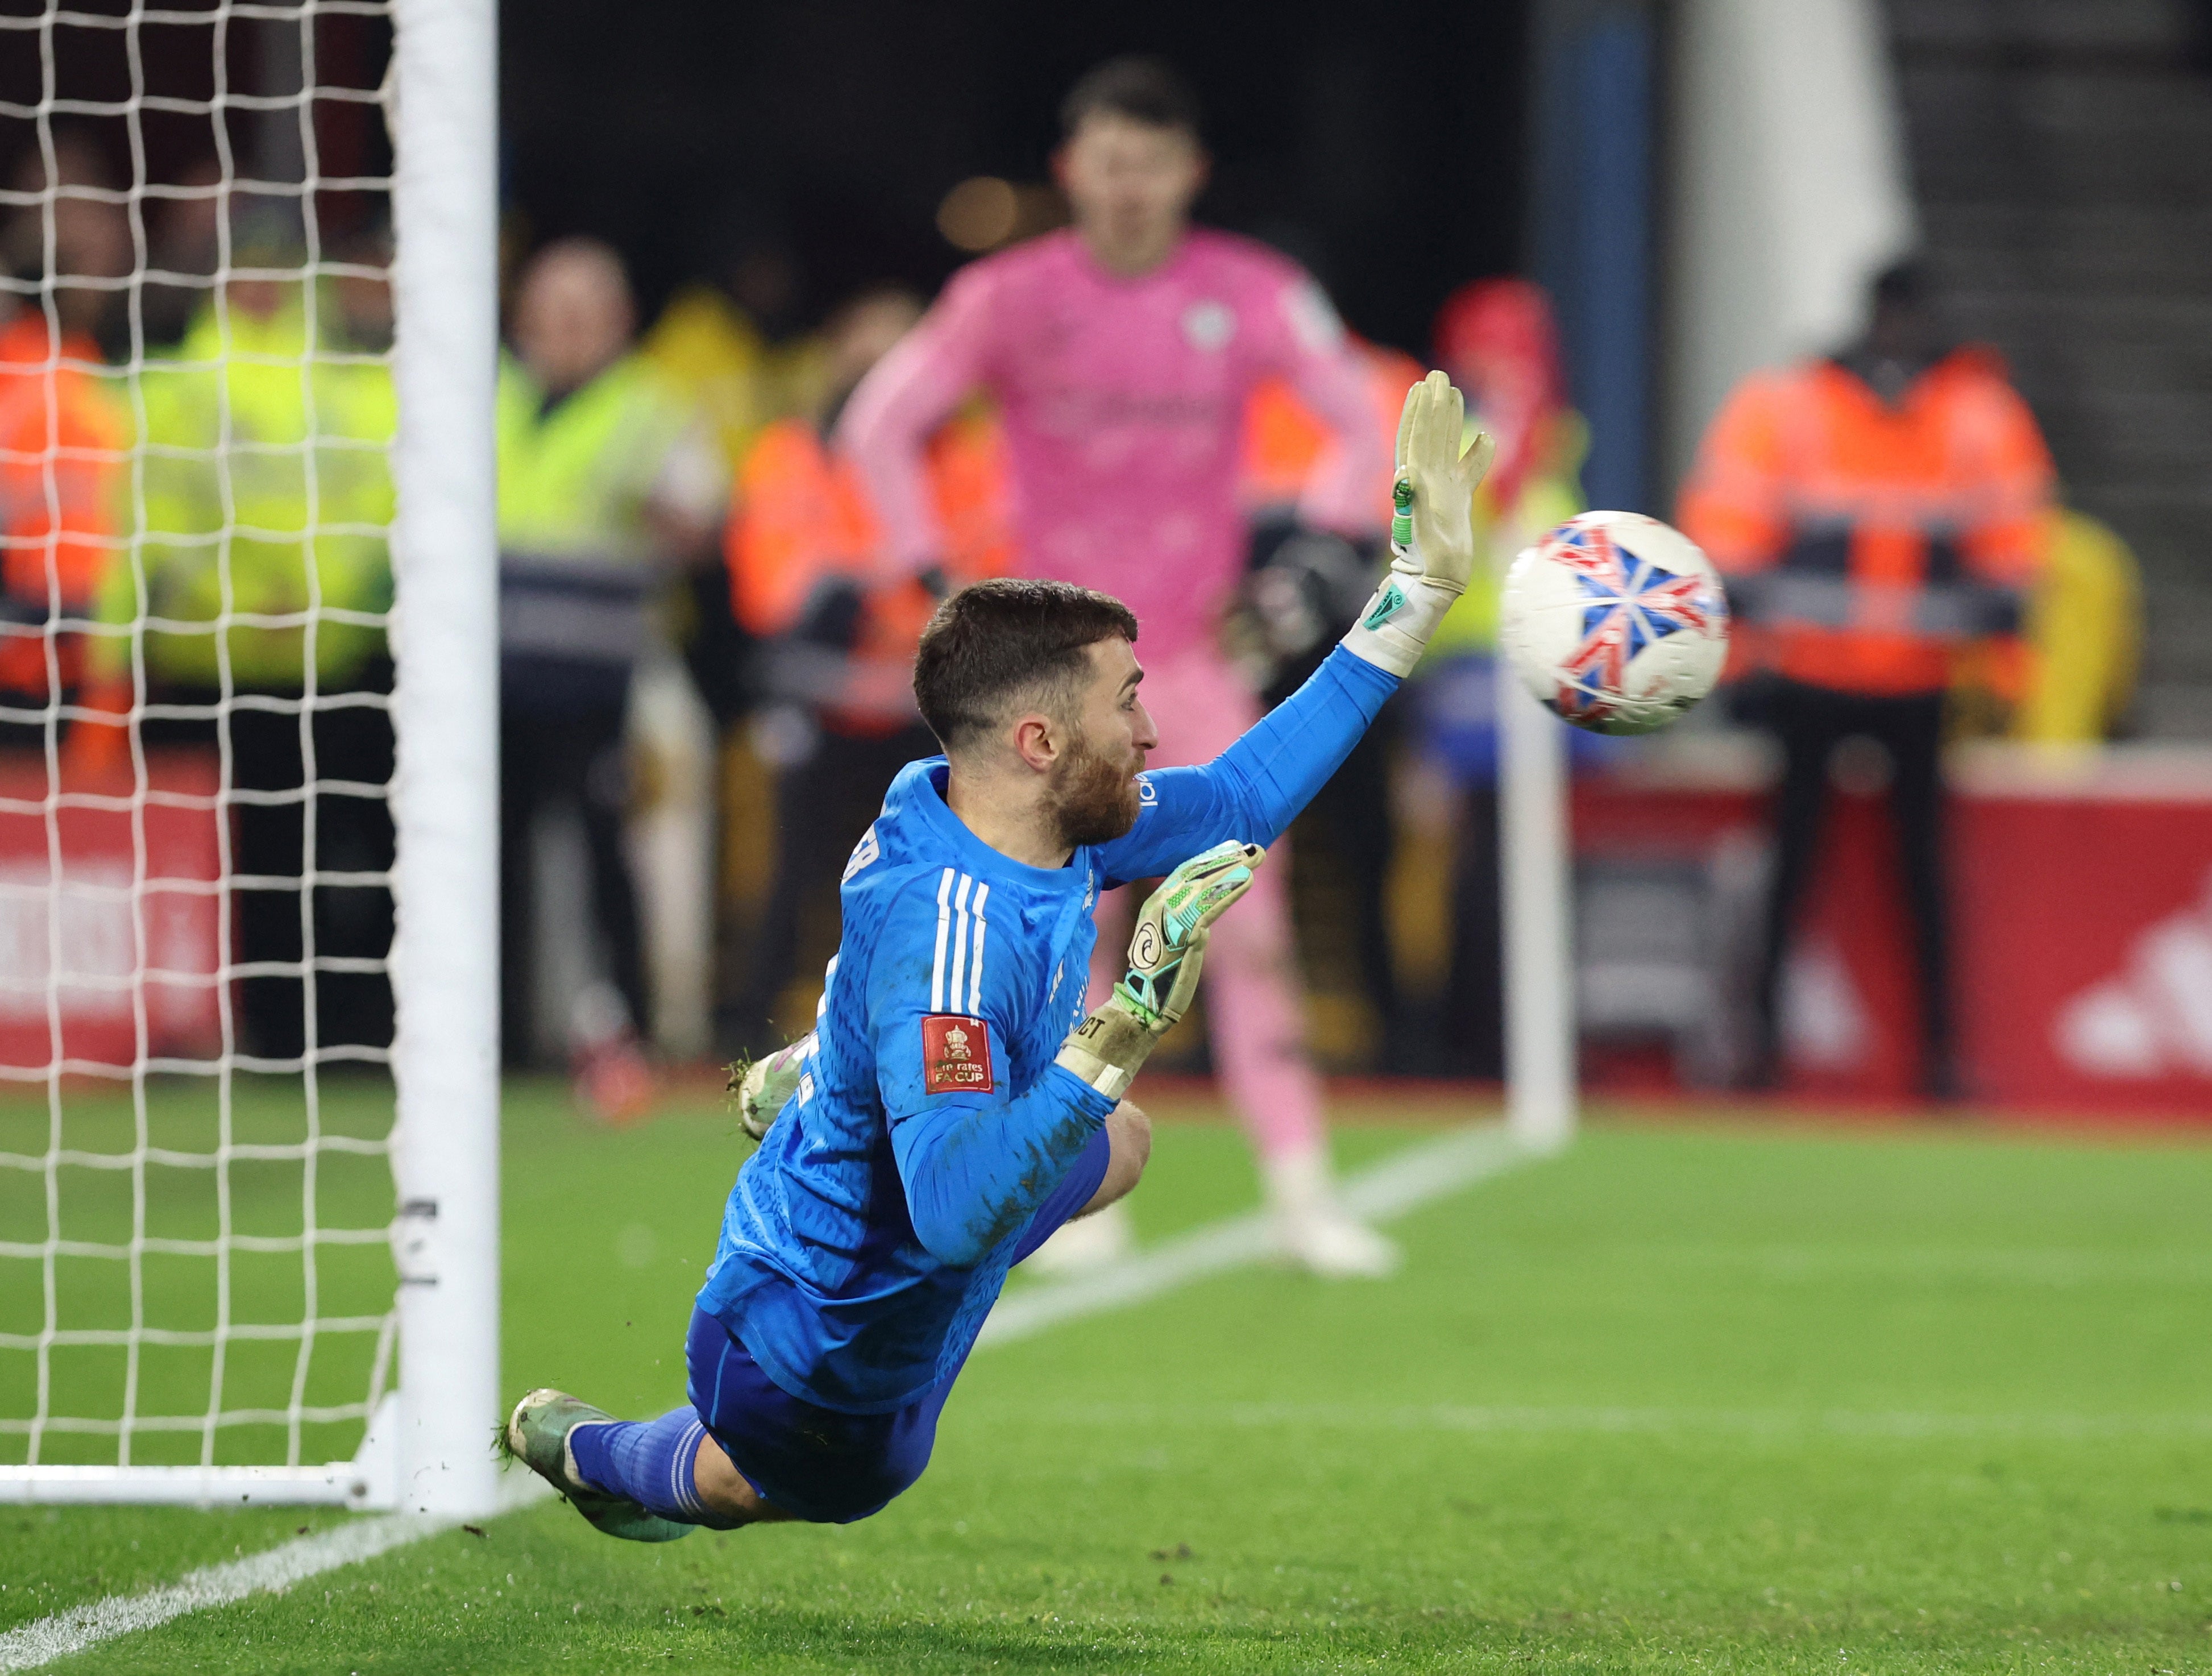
[(1123, 402)]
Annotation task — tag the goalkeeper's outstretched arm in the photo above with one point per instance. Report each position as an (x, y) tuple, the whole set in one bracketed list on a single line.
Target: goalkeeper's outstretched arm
[(1255, 788)]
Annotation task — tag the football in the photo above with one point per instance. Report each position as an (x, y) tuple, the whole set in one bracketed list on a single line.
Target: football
[(1616, 621)]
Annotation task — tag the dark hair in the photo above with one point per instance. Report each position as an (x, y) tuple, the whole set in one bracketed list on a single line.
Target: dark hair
[(1146, 90), (1005, 638)]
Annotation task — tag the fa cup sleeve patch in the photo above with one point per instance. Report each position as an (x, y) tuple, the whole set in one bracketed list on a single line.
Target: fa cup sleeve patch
[(955, 1054)]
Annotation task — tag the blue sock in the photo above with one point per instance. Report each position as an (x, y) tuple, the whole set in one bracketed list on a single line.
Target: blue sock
[(650, 1461)]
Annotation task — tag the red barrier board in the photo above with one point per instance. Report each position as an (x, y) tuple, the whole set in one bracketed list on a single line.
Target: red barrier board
[(2088, 948), (123, 934), (2081, 925)]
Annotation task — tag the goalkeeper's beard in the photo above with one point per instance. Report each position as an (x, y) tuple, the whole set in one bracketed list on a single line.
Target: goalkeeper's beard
[(1094, 798)]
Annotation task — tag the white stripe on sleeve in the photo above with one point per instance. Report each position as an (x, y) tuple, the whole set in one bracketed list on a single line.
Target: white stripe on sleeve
[(960, 941), (944, 924), (976, 957)]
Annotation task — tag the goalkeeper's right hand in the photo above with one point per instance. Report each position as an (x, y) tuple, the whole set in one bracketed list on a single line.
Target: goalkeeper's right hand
[(1166, 949), (760, 1088), (1431, 528)]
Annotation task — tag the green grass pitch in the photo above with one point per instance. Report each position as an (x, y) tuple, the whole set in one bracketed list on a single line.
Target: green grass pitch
[(1693, 1396)]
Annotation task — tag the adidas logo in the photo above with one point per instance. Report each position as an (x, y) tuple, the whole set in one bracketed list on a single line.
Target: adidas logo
[(2155, 1018)]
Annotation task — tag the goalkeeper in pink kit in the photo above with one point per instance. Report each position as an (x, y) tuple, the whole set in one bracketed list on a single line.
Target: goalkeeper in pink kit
[(1121, 354)]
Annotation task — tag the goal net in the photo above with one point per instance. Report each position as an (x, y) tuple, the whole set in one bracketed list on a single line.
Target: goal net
[(247, 665)]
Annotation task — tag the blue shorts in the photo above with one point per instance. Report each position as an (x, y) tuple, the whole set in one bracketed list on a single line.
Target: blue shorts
[(822, 1463)]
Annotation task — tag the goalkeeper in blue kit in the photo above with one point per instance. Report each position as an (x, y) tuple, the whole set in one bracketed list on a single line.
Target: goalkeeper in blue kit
[(954, 1104)]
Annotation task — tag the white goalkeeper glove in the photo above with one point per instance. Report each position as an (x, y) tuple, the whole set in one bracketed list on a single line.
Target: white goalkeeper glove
[(1432, 529), (1166, 949), (759, 1087)]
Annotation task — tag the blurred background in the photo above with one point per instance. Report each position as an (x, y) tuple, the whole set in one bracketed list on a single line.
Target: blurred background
[(717, 217)]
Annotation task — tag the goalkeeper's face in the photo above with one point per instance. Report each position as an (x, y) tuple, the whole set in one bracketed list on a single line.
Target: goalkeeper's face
[(1094, 790)]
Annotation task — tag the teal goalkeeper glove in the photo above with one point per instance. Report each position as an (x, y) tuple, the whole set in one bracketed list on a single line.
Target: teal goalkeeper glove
[(1432, 529), (1166, 949)]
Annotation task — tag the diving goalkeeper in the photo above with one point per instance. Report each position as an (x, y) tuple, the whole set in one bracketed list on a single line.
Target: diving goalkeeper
[(954, 1104)]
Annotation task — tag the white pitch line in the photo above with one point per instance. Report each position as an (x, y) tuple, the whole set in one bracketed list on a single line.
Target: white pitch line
[(1399, 1184), (72, 1631), (1402, 1182), (1783, 1424)]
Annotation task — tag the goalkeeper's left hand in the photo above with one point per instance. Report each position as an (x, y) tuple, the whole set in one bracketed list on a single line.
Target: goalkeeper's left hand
[(1166, 949), (1431, 528)]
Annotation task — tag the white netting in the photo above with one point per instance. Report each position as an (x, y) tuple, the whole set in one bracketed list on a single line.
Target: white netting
[(196, 410)]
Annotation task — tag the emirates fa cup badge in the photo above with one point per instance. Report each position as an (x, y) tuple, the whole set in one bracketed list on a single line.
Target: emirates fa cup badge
[(955, 1054)]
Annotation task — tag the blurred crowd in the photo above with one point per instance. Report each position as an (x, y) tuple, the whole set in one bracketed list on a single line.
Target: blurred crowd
[(707, 626), (206, 465)]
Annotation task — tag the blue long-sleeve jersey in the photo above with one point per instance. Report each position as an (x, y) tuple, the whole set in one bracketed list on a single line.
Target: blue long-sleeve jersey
[(867, 1239)]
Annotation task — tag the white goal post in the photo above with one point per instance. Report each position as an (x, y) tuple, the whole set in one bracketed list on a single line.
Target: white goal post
[(1535, 886), (446, 559), (425, 1426)]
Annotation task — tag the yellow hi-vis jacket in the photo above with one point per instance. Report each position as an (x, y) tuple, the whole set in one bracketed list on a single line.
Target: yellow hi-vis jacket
[(2071, 675), (2085, 624), (577, 480), (267, 495), (1548, 497)]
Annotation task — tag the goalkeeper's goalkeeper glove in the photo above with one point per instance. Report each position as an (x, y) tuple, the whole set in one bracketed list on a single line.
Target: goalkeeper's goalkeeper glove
[(1165, 951), (1432, 529), (759, 1087)]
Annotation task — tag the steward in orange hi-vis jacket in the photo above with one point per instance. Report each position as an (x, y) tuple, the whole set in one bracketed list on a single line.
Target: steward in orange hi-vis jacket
[(63, 442), (803, 548), (1876, 514), (1866, 537)]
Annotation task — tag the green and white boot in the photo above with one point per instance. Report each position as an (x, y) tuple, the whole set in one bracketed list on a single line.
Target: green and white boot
[(537, 1435)]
